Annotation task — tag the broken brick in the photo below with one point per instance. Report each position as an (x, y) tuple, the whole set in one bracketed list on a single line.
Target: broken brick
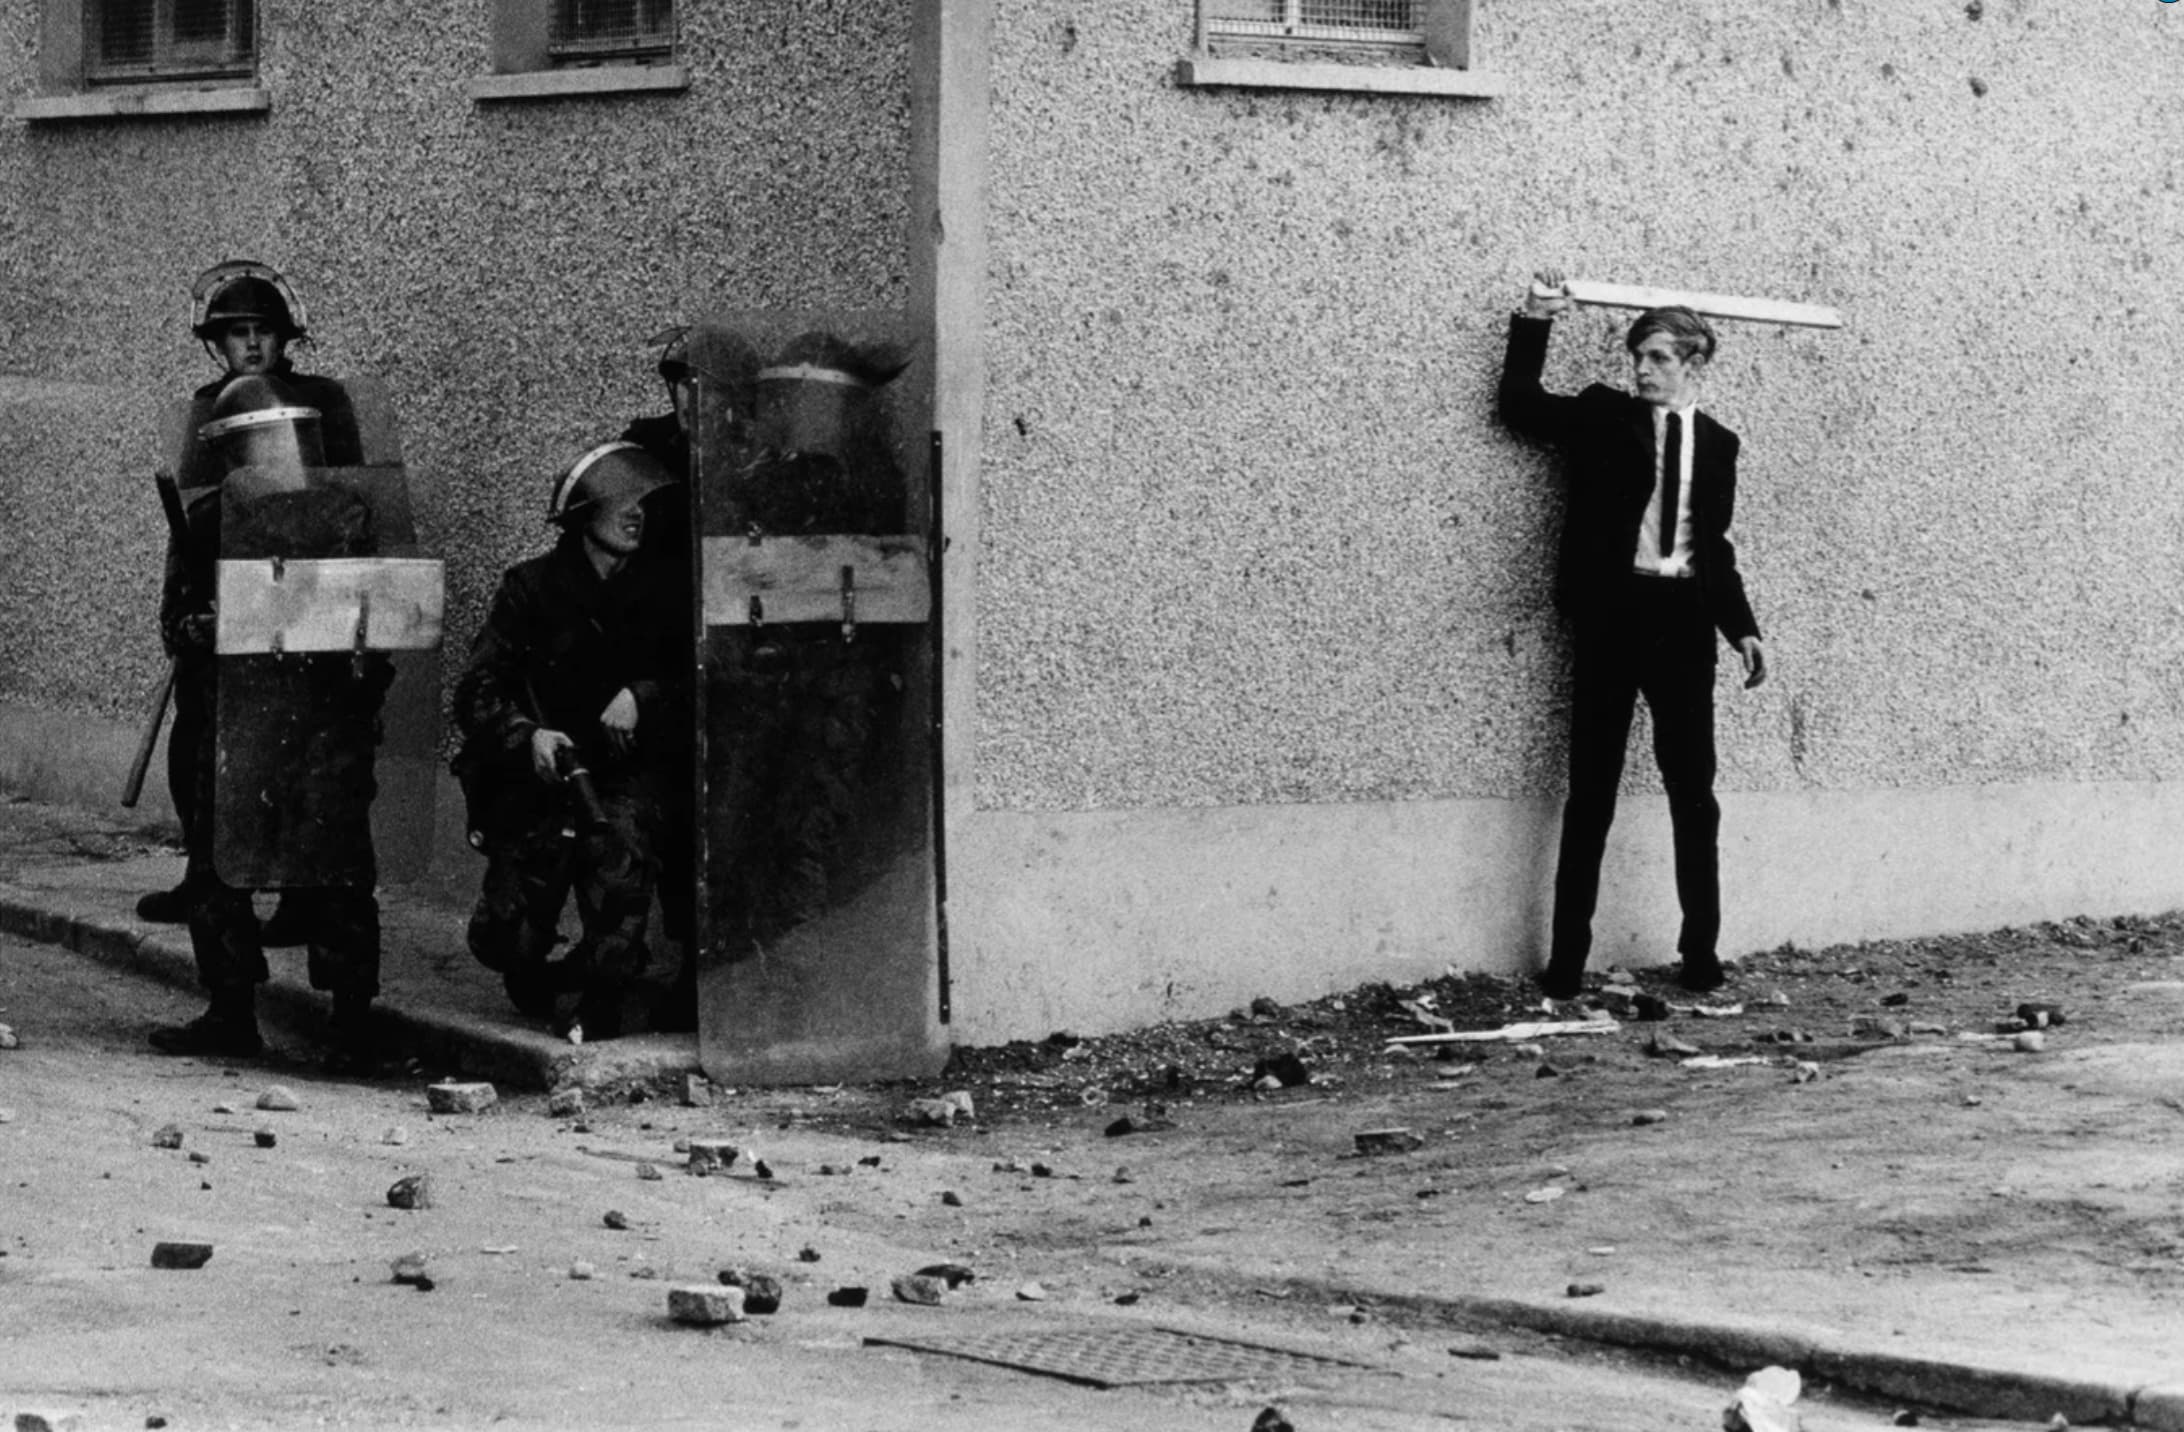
[(453, 1098), (708, 1155), (761, 1291), (705, 1304), (1387, 1141), (182, 1255), (919, 1288)]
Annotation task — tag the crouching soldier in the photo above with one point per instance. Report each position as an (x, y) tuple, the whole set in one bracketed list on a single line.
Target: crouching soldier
[(568, 710)]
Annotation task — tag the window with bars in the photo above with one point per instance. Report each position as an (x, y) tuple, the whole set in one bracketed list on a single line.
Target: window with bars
[(1377, 33), (135, 40), (587, 30), (1398, 23)]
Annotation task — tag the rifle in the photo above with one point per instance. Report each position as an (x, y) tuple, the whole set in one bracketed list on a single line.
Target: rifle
[(132, 788), (570, 767)]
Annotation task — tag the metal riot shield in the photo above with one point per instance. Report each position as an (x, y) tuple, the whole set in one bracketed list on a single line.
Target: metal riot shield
[(817, 920), (326, 638)]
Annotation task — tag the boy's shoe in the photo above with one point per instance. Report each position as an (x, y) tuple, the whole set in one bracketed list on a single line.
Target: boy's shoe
[(1702, 976), (1560, 987), (212, 1034)]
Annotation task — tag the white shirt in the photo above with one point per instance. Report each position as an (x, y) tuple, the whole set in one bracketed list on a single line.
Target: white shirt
[(1648, 558)]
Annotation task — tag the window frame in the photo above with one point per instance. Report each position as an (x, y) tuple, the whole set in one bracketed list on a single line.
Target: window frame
[(525, 66), (172, 59), (1435, 59), (71, 87)]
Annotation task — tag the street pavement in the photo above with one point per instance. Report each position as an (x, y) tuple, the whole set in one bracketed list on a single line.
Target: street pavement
[(2100, 1349)]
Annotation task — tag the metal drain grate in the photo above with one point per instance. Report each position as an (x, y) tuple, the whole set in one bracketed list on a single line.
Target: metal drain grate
[(1120, 1357)]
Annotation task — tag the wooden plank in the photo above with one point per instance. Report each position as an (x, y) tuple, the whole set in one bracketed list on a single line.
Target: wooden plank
[(1713, 305), (799, 579), (316, 604)]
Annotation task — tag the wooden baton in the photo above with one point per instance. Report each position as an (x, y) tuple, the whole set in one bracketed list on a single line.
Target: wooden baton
[(133, 787), (1713, 305)]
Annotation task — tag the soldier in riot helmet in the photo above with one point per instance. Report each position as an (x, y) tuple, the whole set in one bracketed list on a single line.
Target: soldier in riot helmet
[(247, 317), (797, 713), (569, 713), (670, 548), (305, 776)]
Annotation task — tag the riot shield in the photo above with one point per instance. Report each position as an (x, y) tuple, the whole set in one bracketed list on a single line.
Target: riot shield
[(326, 640), (817, 916)]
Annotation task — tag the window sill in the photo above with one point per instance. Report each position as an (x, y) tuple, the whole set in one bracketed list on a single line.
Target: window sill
[(581, 80), (1202, 72), (133, 102)]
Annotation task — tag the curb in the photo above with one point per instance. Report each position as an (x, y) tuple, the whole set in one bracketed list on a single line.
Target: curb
[(1979, 1390), (516, 1057)]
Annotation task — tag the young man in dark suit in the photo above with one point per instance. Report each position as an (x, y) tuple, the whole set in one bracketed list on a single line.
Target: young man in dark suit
[(1647, 576)]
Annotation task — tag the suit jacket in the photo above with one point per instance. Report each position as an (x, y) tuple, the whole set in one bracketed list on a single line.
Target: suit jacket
[(1606, 437)]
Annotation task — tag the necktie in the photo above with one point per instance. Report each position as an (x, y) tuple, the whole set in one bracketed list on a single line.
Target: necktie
[(1671, 483)]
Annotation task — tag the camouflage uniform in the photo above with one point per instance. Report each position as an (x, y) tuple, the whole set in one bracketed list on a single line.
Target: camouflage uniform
[(557, 647)]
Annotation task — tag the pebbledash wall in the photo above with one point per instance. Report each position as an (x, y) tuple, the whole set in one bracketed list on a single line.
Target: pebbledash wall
[(498, 263), (1251, 681), (1269, 696)]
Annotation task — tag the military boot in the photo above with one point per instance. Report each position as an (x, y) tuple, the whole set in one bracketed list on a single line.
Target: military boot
[(228, 1029), (352, 1040)]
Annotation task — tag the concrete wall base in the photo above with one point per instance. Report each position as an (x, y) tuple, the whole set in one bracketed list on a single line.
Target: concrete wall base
[(1101, 920)]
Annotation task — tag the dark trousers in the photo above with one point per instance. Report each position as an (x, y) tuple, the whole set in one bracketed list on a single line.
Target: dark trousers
[(1658, 643), (535, 864), (342, 923)]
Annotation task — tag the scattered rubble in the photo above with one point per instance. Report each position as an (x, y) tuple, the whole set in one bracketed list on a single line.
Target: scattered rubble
[(761, 1291), (955, 1275), (1763, 1404), (49, 1419), (705, 1304), (712, 1155), (1388, 1141), (181, 1254), (453, 1098), (919, 1288)]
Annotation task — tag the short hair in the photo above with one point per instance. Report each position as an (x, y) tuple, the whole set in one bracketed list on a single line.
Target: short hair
[(1690, 333)]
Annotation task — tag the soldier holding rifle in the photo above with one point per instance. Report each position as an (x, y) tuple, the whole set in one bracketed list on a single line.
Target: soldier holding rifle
[(569, 712)]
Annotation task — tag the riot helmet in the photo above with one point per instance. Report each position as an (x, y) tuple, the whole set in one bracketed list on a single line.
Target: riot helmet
[(244, 288), (258, 425), (608, 472), (808, 397)]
